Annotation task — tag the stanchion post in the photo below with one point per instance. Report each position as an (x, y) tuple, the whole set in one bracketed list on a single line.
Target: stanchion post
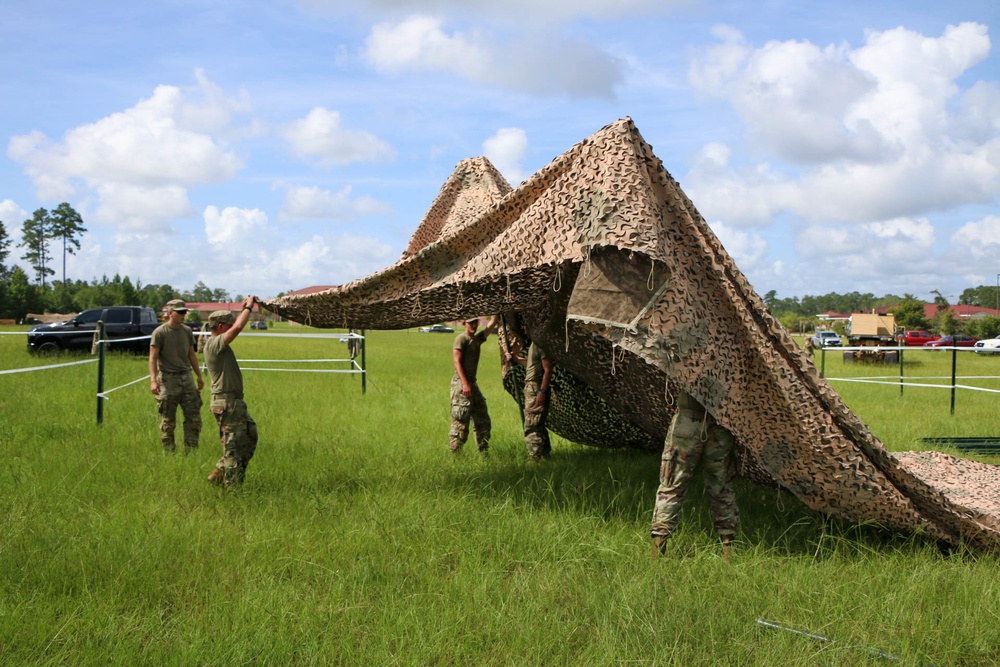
[(100, 372), (364, 372), (954, 364), (901, 372), (822, 362)]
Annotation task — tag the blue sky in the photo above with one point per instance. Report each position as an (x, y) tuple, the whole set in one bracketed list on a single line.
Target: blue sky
[(264, 146)]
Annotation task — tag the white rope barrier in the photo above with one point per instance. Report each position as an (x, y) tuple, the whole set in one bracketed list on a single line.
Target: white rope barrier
[(47, 367), (104, 394), (897, 383)]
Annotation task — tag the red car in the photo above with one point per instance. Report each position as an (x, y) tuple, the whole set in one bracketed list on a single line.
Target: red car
[(920, 337), (958, 340)]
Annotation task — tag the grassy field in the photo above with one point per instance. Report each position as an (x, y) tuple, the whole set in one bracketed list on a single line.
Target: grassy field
[(358, 538)]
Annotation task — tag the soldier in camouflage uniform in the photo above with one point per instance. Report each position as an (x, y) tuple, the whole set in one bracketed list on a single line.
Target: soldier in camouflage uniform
[(467, 402), (172, 357), (537, 387), (695, 435), (237, 430)]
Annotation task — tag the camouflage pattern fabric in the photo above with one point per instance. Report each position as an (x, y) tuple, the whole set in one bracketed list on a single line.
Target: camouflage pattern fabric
[(178, 389), (238, 434), (696, 437), (602, 259), (465, 409)]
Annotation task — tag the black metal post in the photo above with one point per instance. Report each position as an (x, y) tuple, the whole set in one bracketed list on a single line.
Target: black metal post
[(954, 363), (100, 373), (364, 373), (901, 371), (822, 362)]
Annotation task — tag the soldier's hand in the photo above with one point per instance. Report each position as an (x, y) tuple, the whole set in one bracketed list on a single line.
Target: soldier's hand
[(154, 387)]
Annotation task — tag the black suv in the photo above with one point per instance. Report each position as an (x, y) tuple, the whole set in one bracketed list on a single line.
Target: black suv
[(78, 333)]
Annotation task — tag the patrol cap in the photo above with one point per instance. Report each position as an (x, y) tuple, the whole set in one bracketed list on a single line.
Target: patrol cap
[(221, 317), (176, 305)]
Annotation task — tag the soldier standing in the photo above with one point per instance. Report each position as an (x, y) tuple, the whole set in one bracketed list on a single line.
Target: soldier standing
[(237, 430), (537, 394), (172, 357), (695, 435), (467, 401)]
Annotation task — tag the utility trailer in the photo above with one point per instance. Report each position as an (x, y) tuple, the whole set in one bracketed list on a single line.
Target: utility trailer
[(874, 331)]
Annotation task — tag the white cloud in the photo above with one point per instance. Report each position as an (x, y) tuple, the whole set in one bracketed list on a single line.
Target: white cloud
[(319, 136), (313, 203), (851, 135), (748, 249), (752, 195), (536, 63), (12, 215), (505, 150), (979, 240), (234, 227), (139, 162)]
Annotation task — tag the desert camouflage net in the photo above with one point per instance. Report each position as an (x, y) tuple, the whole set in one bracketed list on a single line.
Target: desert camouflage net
[(602, 259)]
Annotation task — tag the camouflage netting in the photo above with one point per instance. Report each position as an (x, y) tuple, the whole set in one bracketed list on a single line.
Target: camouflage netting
[(602, 259)]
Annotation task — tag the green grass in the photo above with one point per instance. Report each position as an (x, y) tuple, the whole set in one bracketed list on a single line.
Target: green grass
[(358, 538)]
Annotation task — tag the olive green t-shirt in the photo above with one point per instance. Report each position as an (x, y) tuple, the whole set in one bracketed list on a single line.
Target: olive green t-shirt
[(470, 352), (223, 368), (174, 346), (535, 369)]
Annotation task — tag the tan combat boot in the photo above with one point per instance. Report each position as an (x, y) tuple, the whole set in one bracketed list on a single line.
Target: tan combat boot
[(217, 477), (659, 546)]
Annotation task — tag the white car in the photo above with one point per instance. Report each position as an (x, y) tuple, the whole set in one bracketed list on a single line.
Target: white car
[(988, 346), (437, 328)]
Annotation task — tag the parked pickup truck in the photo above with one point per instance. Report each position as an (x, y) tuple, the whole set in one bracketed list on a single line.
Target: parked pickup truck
[(78, 333), (988, 346), (826, 339)]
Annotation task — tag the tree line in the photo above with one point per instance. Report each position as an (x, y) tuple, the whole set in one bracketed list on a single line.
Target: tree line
[(800, 315), (62, 229)]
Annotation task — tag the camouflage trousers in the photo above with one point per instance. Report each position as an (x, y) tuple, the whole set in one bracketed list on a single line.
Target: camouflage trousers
[(465, 409), (695, 436), (238, 434), (536, 435), (178, 389)]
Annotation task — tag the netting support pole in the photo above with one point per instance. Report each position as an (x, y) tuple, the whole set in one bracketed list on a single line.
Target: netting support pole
[(100, 373), (364, 373)]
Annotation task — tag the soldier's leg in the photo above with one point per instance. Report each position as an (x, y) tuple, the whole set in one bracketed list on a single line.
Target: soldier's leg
[(249, 444), (461, 413), (681, 453), (233, 433), (536, 436), (166, 404), (719, 470), (191, 406), (480, 414)]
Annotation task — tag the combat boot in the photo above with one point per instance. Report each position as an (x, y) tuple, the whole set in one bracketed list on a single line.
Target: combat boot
[(217, 477), (659, 546)]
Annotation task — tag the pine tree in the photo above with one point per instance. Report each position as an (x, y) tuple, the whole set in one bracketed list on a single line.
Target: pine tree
[(35, 236), (66, 224)]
